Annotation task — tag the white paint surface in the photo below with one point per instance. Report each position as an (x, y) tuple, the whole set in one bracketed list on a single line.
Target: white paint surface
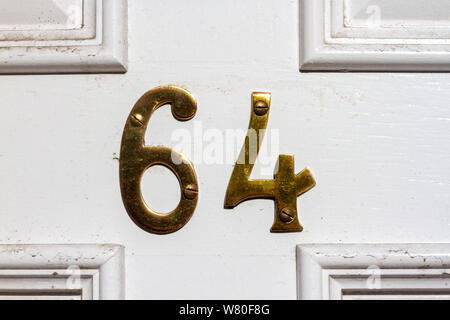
[(376, 143), (376, 35), (87, 272), (376, 271), (40, 14), (405, 13), (63, 36)]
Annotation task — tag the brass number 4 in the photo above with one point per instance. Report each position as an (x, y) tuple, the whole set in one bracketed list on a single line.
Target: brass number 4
[(286, 186)]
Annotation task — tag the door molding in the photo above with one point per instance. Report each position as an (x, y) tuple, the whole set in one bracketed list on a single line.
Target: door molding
[(332, 41), (99, 45), (91, 272), (373, 271)]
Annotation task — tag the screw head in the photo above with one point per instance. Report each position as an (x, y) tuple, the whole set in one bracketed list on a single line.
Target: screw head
[(190, 192), (137, 120), (260, 108), (287, 215)]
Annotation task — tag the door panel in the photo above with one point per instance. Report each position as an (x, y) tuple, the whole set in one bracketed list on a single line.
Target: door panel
[(376, 143)]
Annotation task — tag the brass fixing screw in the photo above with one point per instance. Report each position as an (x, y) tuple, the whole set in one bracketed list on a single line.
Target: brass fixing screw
[(287, 215), (190, 192), (260, 108), (137, 120)]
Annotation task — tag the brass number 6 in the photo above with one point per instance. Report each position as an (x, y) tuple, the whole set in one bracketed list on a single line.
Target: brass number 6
[(286, 186), (136, 158)]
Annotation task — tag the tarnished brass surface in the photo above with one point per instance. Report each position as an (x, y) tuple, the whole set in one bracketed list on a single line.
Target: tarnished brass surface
[(286, 186), (136, 158)]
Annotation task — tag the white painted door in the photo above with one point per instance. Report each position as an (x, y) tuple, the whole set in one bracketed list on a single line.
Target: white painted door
[(376, 143)]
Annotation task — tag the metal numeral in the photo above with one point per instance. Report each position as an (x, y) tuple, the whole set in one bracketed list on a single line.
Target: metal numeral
[(286, 186), (136, 158)]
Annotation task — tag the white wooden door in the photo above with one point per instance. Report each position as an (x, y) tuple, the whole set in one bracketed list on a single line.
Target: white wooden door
[(377, 143)]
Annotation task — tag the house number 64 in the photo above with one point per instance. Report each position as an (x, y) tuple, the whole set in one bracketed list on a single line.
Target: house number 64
[(136, 158)]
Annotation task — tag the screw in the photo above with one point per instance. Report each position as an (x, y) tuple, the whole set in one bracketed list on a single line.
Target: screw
[(190, 192), (261, 108), (287, 215), (137, 120)]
